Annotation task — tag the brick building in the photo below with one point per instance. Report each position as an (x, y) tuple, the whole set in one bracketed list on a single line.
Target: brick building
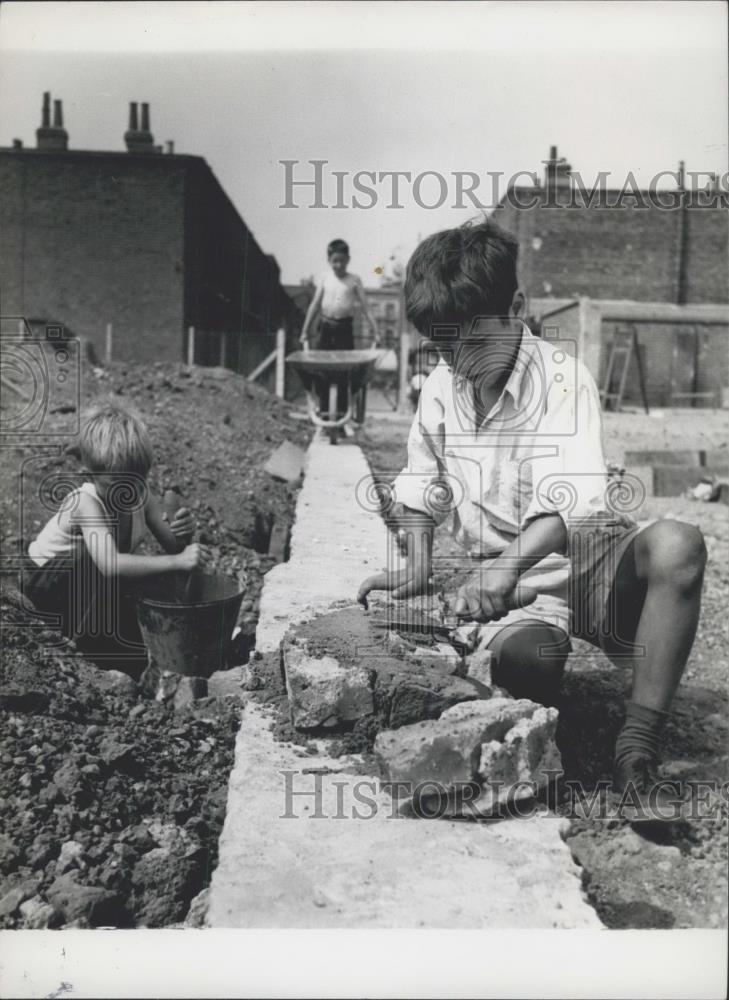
[(145, 240), (618, 243), (386, 306)]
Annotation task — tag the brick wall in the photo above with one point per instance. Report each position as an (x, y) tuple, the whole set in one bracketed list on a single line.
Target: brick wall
[(95, 238), (615, 253), (149, 243)]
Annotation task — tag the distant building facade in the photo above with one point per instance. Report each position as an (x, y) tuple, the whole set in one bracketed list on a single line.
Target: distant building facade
[(145, 240), (607, 244), (386, 305)]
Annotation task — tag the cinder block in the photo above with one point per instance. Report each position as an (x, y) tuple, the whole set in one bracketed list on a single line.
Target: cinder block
[(664, 457), (287, 463)]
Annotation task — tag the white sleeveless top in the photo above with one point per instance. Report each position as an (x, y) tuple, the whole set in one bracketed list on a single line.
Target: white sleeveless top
[(339, 297), (55, 541)]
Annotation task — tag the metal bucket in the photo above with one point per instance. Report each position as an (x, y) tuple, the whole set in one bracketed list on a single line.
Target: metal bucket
[(190, 639)]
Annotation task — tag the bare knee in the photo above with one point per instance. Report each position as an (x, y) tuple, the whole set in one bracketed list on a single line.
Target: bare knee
[(672, 552), (530, 660)]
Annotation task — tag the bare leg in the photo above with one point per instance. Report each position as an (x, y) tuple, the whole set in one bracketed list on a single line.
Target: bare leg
[(656, 602)]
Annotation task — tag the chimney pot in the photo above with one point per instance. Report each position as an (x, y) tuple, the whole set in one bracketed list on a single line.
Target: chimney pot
[(133, 120), (17, 143), (51, 136), (145, 117)]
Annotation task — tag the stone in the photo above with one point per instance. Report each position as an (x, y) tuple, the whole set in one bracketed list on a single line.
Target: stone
[(478, 666), (117, 755), (38, 915), (198, 910), (286, 462), (94, 906), (322, 692), (527, 756), (11, 901), (447, 750), (69, 782), (71, 856), (116, 683), (166, 881)]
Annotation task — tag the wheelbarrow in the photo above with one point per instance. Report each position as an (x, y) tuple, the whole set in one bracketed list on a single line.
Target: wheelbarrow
[(332, 370)]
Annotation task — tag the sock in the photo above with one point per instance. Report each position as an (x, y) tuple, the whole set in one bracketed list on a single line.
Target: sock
[(641, 733)]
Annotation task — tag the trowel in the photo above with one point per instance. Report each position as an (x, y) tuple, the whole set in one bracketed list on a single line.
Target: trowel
[(444, 623), (194, 585)]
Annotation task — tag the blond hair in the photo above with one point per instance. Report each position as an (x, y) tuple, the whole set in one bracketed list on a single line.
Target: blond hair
[(113, 439)]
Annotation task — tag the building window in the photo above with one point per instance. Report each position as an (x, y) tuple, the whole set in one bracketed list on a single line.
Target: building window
[(390, 310)]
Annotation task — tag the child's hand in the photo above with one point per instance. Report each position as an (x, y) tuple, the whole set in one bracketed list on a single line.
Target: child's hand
[(194, 556), (490, 595), (182, 524), (403, 583)]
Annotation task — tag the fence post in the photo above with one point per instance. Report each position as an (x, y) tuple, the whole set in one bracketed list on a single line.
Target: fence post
[(402, 386), (109, 344), (191, 345), (280, 361)]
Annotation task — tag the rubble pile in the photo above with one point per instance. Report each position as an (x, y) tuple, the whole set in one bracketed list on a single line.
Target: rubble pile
[(112, 802)]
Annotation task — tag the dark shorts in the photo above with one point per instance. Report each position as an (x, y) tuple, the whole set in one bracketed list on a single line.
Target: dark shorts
[(75, 598), (336, 334), (597, 546)]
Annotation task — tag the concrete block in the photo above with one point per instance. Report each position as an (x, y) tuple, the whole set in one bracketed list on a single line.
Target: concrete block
[(716, 457), (287, 463), (447, 750), (663, 457), (526, 755), (674, 480), (322, 692)]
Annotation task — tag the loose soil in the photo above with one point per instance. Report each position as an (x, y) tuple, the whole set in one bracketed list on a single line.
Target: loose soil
[(675, 876), (111, 804)]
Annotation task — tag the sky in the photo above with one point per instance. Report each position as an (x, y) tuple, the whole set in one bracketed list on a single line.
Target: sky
[(479, 87)]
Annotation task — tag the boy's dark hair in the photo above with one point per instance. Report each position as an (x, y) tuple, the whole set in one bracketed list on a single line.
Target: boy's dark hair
[(461, 273), (337, 246)]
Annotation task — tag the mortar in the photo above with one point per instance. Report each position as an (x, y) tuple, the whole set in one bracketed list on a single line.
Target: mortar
[(189, 638)]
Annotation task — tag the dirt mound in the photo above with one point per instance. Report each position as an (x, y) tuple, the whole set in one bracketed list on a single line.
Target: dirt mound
[(111, 805)]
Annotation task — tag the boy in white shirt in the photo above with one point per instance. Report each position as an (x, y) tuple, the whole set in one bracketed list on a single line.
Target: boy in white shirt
[(507, 439), (336, 295)]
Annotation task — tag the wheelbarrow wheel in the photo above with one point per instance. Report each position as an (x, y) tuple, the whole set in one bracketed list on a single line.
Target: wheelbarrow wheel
[(333, 435)]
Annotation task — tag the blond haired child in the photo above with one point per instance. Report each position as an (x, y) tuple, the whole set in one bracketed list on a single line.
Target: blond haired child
[(83, 567)]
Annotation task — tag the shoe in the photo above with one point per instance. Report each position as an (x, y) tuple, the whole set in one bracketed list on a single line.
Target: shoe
[(641, 796)]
